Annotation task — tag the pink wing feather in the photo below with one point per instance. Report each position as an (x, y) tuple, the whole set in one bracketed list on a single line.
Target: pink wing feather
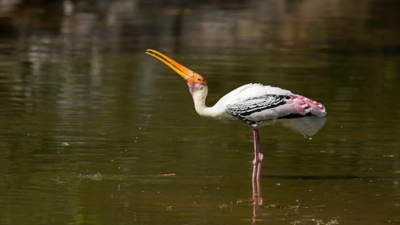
[(305, 105)]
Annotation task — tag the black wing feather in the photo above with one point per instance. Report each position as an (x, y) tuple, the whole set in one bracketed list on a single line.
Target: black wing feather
[(247, 107)]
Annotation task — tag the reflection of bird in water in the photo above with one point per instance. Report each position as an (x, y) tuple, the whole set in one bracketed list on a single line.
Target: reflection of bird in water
[(254, 104), (257, 199)]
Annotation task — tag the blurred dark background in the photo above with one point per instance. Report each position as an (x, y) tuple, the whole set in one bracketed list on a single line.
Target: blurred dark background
[(332, 26)]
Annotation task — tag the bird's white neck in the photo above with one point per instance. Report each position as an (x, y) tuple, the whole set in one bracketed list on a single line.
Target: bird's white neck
[(199, 99)]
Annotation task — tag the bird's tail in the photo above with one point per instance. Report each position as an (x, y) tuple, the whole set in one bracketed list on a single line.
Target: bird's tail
[(307, 126)]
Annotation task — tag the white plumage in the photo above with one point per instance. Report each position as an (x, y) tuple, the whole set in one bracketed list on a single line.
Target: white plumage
[(255, 102)]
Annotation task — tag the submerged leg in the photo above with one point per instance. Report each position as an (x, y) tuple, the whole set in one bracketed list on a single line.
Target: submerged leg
[(258, 156)]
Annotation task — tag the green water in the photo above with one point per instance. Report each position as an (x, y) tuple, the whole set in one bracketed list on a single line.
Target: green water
[(94, 131)]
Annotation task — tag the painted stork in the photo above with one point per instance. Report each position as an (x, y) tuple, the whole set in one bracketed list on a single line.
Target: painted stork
[(253, 104)]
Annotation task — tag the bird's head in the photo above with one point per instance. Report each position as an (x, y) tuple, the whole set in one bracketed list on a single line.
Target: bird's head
[(195, 81)]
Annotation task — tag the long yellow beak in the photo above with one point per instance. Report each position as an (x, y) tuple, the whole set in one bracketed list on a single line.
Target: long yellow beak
[(181, 70)]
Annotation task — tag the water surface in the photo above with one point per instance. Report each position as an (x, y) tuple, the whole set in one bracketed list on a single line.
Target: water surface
[(94, 131)]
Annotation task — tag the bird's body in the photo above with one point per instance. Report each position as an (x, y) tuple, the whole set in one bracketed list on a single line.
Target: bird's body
[(257, 103), (254, 104)]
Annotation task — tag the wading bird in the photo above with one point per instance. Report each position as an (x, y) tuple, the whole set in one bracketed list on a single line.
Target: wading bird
[(253, 104)]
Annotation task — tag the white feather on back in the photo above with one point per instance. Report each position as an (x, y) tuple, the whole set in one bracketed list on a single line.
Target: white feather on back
[(249, 91)]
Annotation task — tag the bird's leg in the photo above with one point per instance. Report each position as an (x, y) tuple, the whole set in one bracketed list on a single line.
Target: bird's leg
[(257, 199), (255, 161), (258, 156)]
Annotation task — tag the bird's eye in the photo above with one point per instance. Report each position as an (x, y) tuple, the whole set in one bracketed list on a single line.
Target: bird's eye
[(198, 79)]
